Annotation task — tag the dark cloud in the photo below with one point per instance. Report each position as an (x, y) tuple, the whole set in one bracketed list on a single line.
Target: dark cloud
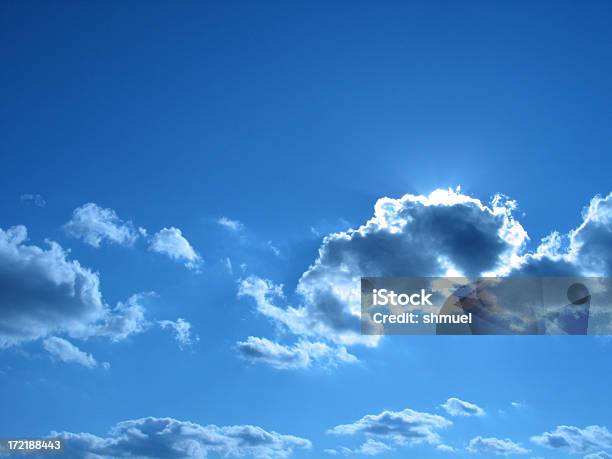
[(43, 292), (444, 233)]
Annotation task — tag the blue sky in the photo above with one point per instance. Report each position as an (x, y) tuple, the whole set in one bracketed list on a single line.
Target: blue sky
[(157, 144)]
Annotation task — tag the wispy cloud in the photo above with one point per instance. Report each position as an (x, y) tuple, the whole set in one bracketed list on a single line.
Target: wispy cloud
[(457, 407), (67, 352), (496, 446), (575, 439), (232, 225), (149, 438), (182, 331), (94, 224), (303, 354), (171, 242), (407, 427), (35, 199)]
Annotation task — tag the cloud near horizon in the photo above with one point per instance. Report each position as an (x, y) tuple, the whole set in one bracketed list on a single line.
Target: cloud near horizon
[(406, 427), (168, 438)]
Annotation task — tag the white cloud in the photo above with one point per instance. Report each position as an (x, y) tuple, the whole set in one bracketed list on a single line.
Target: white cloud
[(445, 448), (457, 407), (44, 293), (303, 354), (232, 225), (167, 438), (495, 446), (518, 405), (264, 292), (67, 352), (125, 319), (373, 447), (443, 233), (576, 440), (182, 331), (171, 242), (94, 224), (407, 427)]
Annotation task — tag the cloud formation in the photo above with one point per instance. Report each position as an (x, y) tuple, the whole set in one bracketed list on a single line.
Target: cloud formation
[(232, 225), (43, 293), (168, 438), (443, 233), (67, 352), (171, 242), (576, 440), (94, 224), (303, 354), (407, 427), (457, 407), (495, 446), (181, 329)]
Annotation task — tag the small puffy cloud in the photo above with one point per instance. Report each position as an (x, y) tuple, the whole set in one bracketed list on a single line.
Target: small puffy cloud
[(94, 224), (181, 329), (445, 448), (495, 446), (168, 438), (598, 455), (67, 352), (125, 319), (303, 354), (171, 242), (518, 405), (35, 199), (44, 293), (576, 440), (373, 447), (407, 427), (457, 407), (232, 225)]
